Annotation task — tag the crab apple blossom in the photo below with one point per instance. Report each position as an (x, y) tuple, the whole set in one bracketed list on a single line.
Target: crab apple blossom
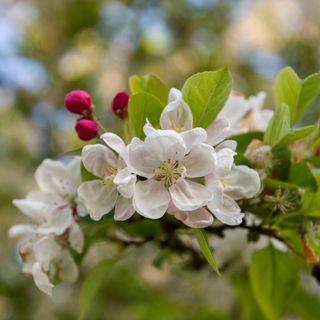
[(86, 129), (119, 104), (79, 102), (169, 162), (246, 114), (114, 185)]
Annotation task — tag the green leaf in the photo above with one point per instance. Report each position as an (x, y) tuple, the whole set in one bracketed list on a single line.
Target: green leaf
[(301, 175), (278, 126), (244, 139), (295, 134), (296, 93), (91, 285), (149, 84), (206, 93), (309, 92), (143, 106), (203, 243), (273, 277), (276, 184), (287, 90), (75, 152), (86, 175)]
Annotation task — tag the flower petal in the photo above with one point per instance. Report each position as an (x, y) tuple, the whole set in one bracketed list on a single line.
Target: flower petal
[(200, 161), (217, 131), (97, 198), (125, 182), (137, 162), (19, 230), (228, 144), (151, 198), (148, 128), (188, 195), (193, 137), (241, 182), (58, 220), (227, 211), (177, 114), (199, 218), (41, 279), (53, 177), (124, 209), (99, 160), (74, 172), (225, 161), (32, 209), (114, 142), (76, 238)]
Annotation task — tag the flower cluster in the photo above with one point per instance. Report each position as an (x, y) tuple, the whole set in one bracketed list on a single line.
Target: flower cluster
[(184, 171), (47, 244)]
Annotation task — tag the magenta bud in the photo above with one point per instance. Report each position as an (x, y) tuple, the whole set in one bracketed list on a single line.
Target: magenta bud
[(86, 129), (317, 152), (120, 104), (79, 102)]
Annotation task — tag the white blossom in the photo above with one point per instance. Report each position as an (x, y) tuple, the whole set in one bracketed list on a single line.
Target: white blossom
[(114, 185)]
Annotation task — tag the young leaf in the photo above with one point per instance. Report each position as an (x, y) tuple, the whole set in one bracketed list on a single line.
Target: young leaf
[(143, 106), (149, 84), (309, 92), (287, 89), (206, 93), (278, 126), (273, 277), (301, 175), (203, 243), (295, 134), (91, 285)]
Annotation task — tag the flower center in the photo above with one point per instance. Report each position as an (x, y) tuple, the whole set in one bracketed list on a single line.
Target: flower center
[(170, 171), (109, 176)]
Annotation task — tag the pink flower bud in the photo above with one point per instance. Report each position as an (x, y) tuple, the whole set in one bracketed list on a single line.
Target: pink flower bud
[(120, 104), (79, 102), (86, 129), (317, 152)]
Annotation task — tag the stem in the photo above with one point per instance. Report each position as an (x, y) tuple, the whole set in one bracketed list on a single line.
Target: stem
[(97, 121)]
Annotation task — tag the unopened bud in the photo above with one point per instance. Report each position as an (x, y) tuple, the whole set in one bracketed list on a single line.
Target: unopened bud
[(86, 129), (79, 102), (317, 152), (120, 104)]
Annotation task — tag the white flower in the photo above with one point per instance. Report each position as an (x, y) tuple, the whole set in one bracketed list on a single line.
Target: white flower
[(230, 183), (51, 208), (169, 161), (246, 114), (44, 258), (114, 184)]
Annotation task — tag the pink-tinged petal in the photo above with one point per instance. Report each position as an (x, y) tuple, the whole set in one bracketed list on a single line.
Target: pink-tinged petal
[(151, 199), (201, 161), (41, 279), (217, 131), (193, 137), (124, 209), (227, 144), (137, 160), (114, 142), (228, 211), (99, 160), (188, 195), (241, 182), (225, 161), (177, 114), (199, 218), (98, 198)]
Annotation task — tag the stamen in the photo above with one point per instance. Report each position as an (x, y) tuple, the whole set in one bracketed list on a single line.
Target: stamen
[(170, 171)]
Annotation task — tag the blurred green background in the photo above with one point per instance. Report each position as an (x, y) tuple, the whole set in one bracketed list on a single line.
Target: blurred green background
[(50, 47)]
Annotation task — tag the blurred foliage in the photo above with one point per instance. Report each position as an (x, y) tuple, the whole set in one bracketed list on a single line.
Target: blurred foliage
[(50, 47)]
